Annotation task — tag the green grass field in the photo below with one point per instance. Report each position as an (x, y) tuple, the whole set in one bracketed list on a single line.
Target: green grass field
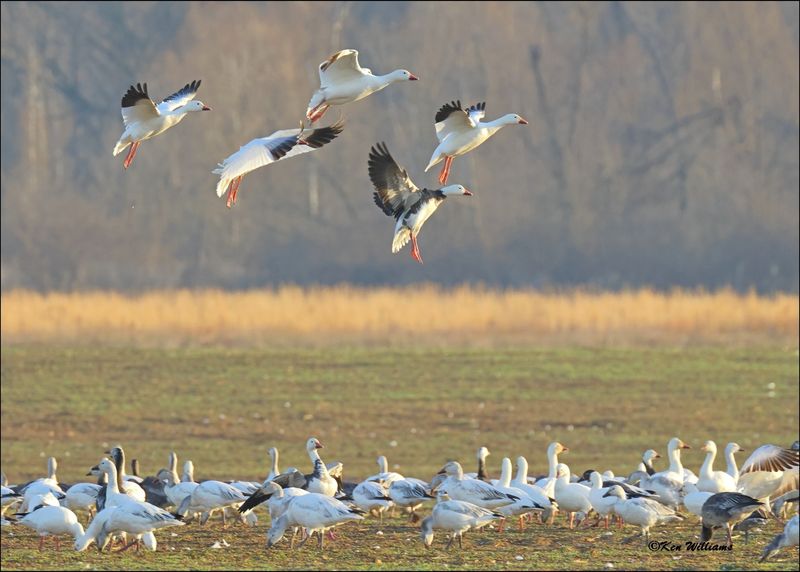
[(223, 408)]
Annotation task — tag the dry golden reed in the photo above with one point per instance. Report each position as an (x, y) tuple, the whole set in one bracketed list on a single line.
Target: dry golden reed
[(401, 315)]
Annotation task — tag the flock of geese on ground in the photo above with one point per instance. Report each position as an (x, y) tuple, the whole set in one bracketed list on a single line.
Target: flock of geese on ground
[(132, 507), (342, 81)]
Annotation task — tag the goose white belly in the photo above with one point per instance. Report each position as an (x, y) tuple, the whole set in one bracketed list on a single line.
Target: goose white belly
[(760, 484), (573, 497), (351, 91), (414, 221), (148, 129), (319, 512), (694, 502), (459, 143)]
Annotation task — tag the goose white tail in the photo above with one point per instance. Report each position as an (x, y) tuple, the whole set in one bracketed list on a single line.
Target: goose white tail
[(121, 146), (401, 238), (434, 160)]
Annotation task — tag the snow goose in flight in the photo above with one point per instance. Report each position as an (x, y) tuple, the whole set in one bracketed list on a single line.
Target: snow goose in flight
[(762, 473), (726, 509), (789, 537), (266, 150), (472, 490), (397, 196), (461, 130), (710, 480), (571, 497), (144, 119), (51, 520), (313, 511), (642, 512), (342, 80), (456, 517)]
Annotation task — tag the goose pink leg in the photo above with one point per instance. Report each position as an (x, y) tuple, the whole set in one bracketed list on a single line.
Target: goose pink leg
[(317, 115), (445, 170), (131, 154), (233, 190), (415, 254)]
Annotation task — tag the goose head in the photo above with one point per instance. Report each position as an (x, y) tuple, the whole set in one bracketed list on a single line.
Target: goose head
[(733, 448), (483, 452), (106, 466), (196, 106), (562, 471), (512, 119), (276, 531), (401, 75), (676, 444), (426, 531), (458, 190), (452, 469), (709, 447), (596, 479), (615, 491), (556, 448), (649, 455), (313, 444)]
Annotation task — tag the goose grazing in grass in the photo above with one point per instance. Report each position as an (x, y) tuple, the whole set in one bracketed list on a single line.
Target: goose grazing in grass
[(144, 119), (51, 521), (642, 512), (461, 130), (482, 474), (397, 196), (372, 497), (472, 490), (763, 472), (789, 537), (521, 507), (136, 519), (410, 494), (571, 497), (726, 509), (456, 517), (266, 150), (313, 511), (710, 480), (342, 80)]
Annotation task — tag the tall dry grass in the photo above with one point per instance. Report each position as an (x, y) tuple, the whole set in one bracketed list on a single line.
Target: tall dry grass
[(401, 315)]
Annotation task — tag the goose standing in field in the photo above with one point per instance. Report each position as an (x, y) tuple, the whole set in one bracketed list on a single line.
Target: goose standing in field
[(763, 472), (571, 497), (642, 512), (482, 474), (276, 497), (472, 490), (397, 196), (521, 507), (144, 119), (726, 509), (82, 496), (44, 485), (730, 461), (372, 497), (547, 483), (384, 475), (604, 505), (313, 511), (694, 498), (97, 532), (456, 517), (667, 484), (175, 490), (535, 492), (789, 537), (209, 496), (710, 480), (136, 519), (461, 130), (409, 494), (266, 150), (319, 481), (51, 520), (342, 80)]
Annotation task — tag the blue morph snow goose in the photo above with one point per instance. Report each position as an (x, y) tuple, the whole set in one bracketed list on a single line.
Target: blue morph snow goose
[(266, 150), (397, 196), (144, 119), (726, 509), (342, 80)]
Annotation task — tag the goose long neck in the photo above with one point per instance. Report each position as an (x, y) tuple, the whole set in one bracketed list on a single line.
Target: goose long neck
[(675, 465), (732, 469), (320, 470), (114, 484), (383, 464), (522, 469), (482, 474), (708, 463), (505, 473), (173, 462), (552, 461), (52, 465), (273, 453)]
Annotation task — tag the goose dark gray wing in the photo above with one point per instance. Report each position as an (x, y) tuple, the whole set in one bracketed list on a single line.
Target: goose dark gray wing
[(394, 189)]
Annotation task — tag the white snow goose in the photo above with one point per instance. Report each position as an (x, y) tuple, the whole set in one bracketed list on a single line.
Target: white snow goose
[(175, 490), (144, 119), (456, 517), (316, 512), (410, 494), (694, 499), (276, 497), (372, 497), (472, 490), (667, 484), (647, 461), (266, 150), (209, 496), (524, 505), (384, 475), (571, 497), (642, 512), (461, 130), (710, 480), (730, 461), (762, 473), (342, 80), (51, 520), (397, 196), (554, 449)]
